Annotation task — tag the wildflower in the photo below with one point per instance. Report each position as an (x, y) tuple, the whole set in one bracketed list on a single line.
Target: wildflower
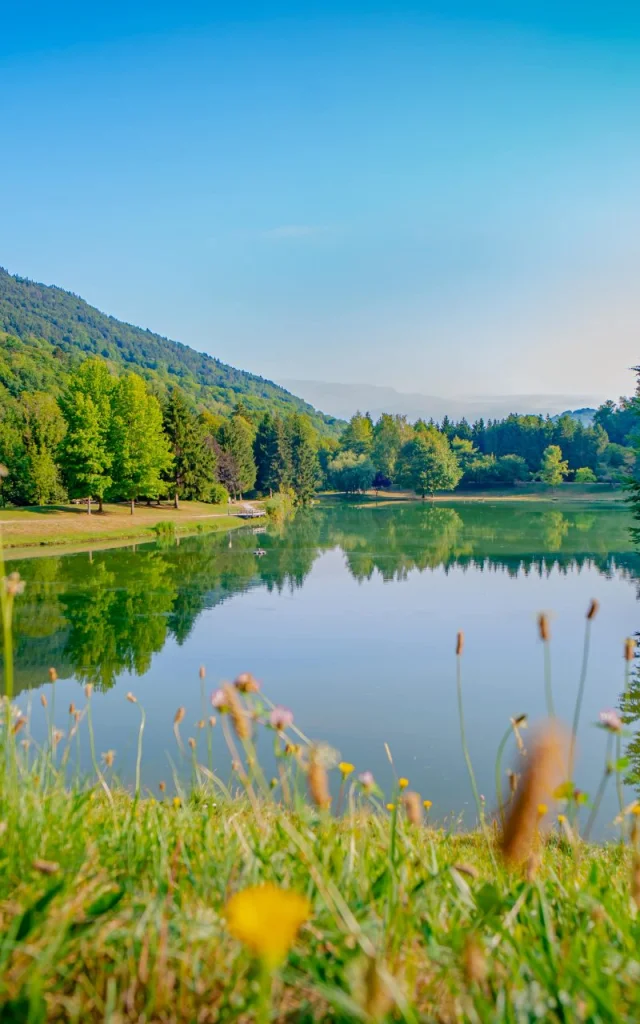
[(412, 807), (542, 810), (202, 672), (281, 718), (53, 675), (546, 767), (131, 698), (629, 649), (366, 780), (13, 585), (427, 804), (179, 715), (200, 724), (345, 768), (192, 742), (610, 720), (292, 749), (273, 783), (246, 683), (72, 708), (212, 720), (43, 700), (177, 802), (593, 610), (459, 643), (218, 700), (635, 809), (88, 690), (561, 819), (391, 807), (108, 758), (162, 786), (403, 783), (56, 736), (267, 919), (318, 782)]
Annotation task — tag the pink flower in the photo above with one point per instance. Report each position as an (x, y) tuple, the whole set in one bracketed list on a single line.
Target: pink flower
[(610, 720), (366, 779), (219, 700), (281, 718)]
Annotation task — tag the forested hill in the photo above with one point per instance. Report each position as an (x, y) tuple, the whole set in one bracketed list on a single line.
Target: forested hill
[(73, 329)]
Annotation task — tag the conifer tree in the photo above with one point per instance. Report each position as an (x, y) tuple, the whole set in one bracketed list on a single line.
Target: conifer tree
[(193, 469), (141, 451)]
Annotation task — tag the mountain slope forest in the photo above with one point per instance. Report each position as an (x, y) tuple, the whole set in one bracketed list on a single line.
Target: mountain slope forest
[(52, 330)]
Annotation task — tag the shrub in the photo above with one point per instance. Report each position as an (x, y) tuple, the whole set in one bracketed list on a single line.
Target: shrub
[(219, 494), (585, 475), (164, 530)]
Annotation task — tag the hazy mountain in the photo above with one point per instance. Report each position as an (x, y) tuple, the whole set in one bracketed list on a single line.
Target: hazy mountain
[(342, 400)]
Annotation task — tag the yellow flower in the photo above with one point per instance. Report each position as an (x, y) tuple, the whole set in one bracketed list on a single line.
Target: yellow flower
[(561, 819), (177, 801), (635, 809), (403, 783), (427, 804), (346, 768), (391, 807), (542, 810), (267, 918)]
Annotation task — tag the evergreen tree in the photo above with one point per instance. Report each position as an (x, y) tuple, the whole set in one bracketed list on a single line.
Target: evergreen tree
[(284, 459), (141, 451), (193, 470), (236, 438), (265, 453), (85, 452), (304, 458), (357, 436)]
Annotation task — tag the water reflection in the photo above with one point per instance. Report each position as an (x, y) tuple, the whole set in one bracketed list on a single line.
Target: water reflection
[(97, 615)]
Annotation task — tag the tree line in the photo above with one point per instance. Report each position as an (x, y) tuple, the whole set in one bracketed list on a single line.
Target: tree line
[(118, 438), (429, 457)]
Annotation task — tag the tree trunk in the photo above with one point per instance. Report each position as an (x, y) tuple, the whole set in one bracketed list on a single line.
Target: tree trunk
[(100, 508), (176, 503), (89, 506), (133, 505)]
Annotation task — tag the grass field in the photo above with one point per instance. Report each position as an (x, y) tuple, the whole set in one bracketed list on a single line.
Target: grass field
[(71, 525)]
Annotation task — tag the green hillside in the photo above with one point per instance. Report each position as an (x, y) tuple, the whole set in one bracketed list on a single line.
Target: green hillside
[(46, 331)]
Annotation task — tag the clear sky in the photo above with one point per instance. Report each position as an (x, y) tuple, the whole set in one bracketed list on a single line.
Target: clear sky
[(443, 197)]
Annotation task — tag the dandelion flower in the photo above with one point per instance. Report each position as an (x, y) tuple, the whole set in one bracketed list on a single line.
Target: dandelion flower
[(561, 819), (542, 810), (427, 804), (345, 768), (403, 783), (391, 807), (267, 919), (177, 802)]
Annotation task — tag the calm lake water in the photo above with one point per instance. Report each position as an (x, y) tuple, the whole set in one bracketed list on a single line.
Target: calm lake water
[(350, 619)]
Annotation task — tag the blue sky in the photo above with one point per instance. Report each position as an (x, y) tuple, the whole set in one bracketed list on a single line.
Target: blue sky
[(439, 197)]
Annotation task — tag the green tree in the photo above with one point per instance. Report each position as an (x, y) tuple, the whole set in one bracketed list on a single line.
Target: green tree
[(585, 475), (85, 452), (44, 429), (141, 450), (553, 469), (266, 455), (350, 472), (427, 463), (304, 458), (357, 436), (388, 435), (236, 438), (193, 469)]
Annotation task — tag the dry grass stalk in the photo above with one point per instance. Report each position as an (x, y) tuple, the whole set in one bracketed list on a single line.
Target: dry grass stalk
[(546, 769), (412, 807), (593, 609), (237, 713), (629, 649), (45, 867), (543, 626), (460, 643), (318, 783)]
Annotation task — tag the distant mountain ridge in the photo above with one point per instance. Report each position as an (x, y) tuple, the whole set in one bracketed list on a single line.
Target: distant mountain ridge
[(73, 329), (343, 400)]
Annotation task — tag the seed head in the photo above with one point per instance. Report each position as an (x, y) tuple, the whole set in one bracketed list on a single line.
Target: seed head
[(192, 742), (202, 672), (200, 724), (108, 757), (56, 736), (467, 869), (53, 675), (543, 626), (629, 649), (412, 807), (88, 690), (43, 700), (19, 724), (246, 683), (318, 783), (459, 643), (239, 718), (212, 720), (72, 708), (162, 786), (131, 698), (546, 768), (179, 715)]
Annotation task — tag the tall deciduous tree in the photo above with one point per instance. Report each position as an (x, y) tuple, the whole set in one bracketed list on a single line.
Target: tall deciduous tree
[(304, 458), (388, 436), (85, 453), (192, 472), (357, 436), (141, 451), (553, 468), (427, 464)]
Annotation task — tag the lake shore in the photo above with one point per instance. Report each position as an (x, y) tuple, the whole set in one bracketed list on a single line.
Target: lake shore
[(69, 526), (596, 494)]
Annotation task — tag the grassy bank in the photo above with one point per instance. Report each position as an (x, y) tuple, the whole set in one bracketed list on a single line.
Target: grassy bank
[(594, 494), (71, 525)]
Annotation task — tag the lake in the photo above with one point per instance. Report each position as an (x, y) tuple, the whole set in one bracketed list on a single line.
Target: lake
[(350, 619)]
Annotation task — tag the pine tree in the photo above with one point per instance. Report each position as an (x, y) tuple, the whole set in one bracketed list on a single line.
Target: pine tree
[(236, 438), (193, 469), (304, 458), (85, 452), (141, 451), (265, 453)]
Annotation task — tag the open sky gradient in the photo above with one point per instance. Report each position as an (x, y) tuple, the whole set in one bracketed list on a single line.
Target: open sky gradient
[(441, 197)]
